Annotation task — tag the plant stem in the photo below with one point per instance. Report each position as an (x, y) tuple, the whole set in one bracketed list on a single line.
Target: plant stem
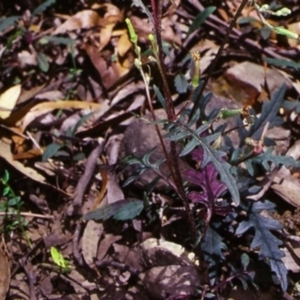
[(172, 159), (214, 62)]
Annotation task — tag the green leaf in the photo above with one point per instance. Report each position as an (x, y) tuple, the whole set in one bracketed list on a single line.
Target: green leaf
[(42, 7), (42, 62), (264, 240), (181, 83), (268, 114), (118, 208), (210, 155), (5, 177), (51, 150), (59, 260), (246, 20), (129, 211), (160, 97), (212, 247), (200, 18), (7, 22), (56, 40), (265, 32), (282, 63), (245, 260)]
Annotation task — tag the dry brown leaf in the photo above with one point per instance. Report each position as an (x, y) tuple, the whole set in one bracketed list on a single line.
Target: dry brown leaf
[(27, 94), (291, 259), (83, 19), (46, 107), (106, 243), (114, 191), (8, 100), (90, 240), (4, 275), (107, 73), (294, 27), (250, 78), (289, 190)]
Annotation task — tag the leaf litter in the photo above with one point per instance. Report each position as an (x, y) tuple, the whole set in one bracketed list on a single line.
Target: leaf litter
[(68, 86)]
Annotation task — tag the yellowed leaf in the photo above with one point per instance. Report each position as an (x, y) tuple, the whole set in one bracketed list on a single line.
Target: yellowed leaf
[(8, 100), (124, 44)]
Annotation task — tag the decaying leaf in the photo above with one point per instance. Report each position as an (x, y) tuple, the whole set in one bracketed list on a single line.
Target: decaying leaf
[(90, 240)]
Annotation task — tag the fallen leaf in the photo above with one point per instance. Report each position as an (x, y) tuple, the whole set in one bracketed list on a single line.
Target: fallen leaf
[(83, 19), (46, 107), (8, 100), (4, 275), (90, 239)]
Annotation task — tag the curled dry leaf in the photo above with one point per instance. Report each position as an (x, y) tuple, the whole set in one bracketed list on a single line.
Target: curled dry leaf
[(4, 275), (8, 100)]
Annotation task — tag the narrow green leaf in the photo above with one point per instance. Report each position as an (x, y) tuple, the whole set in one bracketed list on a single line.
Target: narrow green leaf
[(42, 62), (7, 22), (104, 213), (200, 18), (51, 150), (42, 7), (160, 97)]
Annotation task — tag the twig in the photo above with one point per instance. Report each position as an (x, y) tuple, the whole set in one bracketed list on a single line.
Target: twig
[(26, 214), (85, 179), (75, 243)]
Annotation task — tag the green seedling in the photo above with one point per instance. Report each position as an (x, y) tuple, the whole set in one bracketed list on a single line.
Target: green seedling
[(12, 204), (59, 260)]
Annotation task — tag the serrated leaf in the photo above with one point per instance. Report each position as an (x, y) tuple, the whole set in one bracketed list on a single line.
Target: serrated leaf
[(267, 243), (212, 246), (210, 155), (268, 114)]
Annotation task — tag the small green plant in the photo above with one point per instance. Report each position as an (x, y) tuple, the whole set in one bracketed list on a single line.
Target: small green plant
[(59, 260), (11, 204)]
